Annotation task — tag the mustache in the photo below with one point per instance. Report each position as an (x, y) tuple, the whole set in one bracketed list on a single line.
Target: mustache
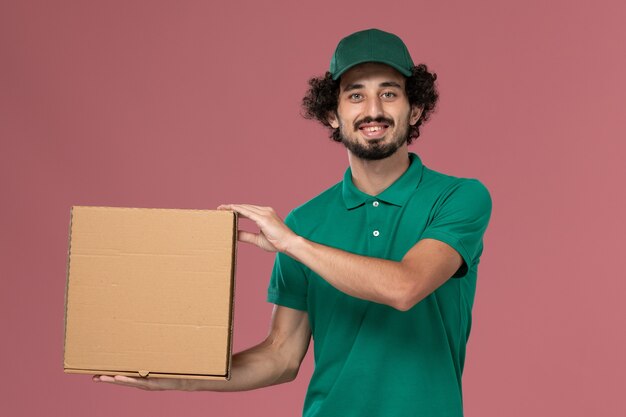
[(368, 119)]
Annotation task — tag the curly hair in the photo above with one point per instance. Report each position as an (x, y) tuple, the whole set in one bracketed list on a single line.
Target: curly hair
[(321, 99)]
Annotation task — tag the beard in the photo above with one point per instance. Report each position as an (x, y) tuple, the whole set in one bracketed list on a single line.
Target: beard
[(374, 149)]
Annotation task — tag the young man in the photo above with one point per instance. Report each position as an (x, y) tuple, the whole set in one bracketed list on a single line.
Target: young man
[(381, 268)]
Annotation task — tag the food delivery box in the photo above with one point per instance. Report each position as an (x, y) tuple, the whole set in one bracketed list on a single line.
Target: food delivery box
[(150, 292)]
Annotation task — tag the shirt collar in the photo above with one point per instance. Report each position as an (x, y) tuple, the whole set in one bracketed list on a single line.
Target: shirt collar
[(397, 193)]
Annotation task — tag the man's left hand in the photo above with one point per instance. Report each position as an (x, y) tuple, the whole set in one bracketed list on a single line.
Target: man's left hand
[(274, 235)]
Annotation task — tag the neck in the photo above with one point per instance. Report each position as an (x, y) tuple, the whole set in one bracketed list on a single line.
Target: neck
[(373, 177)]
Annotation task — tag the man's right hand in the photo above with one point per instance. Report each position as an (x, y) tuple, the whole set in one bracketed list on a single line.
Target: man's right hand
[(148, 384)]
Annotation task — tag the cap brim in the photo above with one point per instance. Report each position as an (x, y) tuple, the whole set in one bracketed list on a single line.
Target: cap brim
[(403, 71)]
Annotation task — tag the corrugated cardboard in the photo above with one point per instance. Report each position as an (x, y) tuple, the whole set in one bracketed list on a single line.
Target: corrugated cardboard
[(150, 292)]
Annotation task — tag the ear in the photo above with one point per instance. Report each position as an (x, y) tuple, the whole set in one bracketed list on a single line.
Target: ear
[(416, 113), (332, 120)]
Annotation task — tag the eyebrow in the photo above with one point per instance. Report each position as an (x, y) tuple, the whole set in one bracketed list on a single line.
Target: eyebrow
[(351, 87), (390, 84)]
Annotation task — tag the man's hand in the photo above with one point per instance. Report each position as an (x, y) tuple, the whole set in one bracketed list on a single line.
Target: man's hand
[(148, 384), (274, 235)]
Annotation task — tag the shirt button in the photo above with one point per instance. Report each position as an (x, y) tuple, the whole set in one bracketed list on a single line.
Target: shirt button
[(376, 233), (375, 203)]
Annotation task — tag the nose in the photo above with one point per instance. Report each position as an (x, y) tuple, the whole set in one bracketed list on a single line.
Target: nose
[(374, 107)]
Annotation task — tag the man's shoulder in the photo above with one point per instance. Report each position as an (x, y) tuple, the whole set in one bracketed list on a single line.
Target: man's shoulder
[(442, 183), (460, 194), (317, 207)]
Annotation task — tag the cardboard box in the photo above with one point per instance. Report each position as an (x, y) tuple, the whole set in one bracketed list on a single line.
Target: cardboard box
[(150, 292)]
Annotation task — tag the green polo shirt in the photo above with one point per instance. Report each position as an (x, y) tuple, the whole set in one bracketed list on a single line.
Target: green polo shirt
[(371, 359)]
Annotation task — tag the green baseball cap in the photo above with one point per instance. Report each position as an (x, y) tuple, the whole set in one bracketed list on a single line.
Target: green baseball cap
[(371, 45)]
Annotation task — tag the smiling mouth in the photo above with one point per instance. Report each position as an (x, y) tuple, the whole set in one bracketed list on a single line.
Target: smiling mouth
[(373, 128), (373, 131)]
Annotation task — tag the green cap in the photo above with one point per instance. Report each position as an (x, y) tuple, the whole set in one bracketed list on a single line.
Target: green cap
[(371, 45)]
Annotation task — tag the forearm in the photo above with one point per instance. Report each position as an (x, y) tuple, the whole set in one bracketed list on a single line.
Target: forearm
[(374, 279), (426, 266), (260, 366)]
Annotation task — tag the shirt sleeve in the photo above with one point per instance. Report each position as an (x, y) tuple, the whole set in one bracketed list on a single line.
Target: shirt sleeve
[(461, 220), (289, 283)]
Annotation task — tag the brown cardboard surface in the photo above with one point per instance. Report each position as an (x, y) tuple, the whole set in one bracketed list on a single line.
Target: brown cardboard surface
[(150, 291)]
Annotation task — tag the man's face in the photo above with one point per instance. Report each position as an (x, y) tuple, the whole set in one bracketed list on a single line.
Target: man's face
[(373, 112)]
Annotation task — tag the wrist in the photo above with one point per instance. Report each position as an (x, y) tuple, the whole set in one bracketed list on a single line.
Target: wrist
[(296, 247)]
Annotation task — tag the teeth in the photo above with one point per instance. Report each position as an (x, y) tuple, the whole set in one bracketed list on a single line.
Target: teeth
[(374, 128)]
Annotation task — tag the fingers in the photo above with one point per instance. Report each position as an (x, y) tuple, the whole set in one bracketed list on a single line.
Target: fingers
[(142, 383), (247, 237), (248, 210), (238, 209), (259, 215), (256, 239), (272, 228)]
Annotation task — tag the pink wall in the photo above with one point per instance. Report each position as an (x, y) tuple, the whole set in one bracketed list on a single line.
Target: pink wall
[(192, 104)]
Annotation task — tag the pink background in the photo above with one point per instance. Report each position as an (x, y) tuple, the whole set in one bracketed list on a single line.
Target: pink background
[(192, 104)]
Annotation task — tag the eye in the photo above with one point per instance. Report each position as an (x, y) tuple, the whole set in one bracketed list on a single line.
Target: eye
[(355, 96), (388, 94)]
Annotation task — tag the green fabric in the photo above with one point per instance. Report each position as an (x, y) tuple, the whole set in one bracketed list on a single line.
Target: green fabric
[(371, 359), (371, 45)]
